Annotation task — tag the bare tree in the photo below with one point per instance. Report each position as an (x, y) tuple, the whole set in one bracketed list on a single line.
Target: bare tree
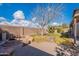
[(45, 14)]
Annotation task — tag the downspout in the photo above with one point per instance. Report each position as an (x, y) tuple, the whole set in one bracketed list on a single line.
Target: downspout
[(75, 30)]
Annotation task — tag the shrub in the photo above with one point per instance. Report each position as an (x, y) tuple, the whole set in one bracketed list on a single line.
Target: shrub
[(59, 30), (39, 38), (51, 29), (65, 35), (64, 41)]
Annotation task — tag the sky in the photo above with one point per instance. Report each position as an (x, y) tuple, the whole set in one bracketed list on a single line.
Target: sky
[(7, 10)]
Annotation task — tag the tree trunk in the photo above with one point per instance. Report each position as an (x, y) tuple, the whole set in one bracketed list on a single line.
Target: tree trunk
[(42, 31)]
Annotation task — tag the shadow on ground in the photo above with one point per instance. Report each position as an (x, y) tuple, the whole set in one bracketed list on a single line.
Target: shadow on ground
[(29, 51)]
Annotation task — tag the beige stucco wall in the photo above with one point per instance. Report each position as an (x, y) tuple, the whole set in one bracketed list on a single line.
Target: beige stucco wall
[(77, 29), (19, 30)]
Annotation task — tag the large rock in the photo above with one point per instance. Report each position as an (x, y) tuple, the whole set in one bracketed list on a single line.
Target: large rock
[(27, 39)]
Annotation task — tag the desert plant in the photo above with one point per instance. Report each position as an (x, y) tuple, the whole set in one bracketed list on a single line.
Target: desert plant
[(65, 35), (50, 29), (64, 41), (39, 38)]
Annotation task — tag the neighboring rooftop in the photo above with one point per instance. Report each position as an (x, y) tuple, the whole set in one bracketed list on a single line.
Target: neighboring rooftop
[(75, 15)]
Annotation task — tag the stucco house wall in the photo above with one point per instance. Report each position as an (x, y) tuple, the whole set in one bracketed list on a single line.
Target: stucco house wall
[(73, 23)]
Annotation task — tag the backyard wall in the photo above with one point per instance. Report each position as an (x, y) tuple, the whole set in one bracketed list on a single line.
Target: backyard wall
[(19, 30)]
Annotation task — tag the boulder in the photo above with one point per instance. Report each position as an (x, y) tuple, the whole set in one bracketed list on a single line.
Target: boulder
[(27, 39)]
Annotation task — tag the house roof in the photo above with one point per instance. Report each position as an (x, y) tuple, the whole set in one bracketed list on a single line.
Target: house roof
[(75, 15)]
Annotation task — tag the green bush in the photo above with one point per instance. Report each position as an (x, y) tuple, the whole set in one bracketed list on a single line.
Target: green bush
[(65, 35), (59, 30), (51, 29)]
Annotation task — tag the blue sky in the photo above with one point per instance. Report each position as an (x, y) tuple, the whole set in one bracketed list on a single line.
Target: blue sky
[(7, 10)]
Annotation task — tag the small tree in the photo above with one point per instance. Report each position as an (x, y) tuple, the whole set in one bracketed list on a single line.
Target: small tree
[(46, 14), (64, 25)]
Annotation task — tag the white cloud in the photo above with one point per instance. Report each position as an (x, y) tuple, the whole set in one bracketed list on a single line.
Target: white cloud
[(24, 23), (19, 20), (3, 21), (19, 15), (55, 24), (20, 23), (15, 22), (33, 19)]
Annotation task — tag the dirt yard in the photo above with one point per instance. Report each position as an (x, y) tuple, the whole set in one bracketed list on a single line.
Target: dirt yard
[(36, 49)]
